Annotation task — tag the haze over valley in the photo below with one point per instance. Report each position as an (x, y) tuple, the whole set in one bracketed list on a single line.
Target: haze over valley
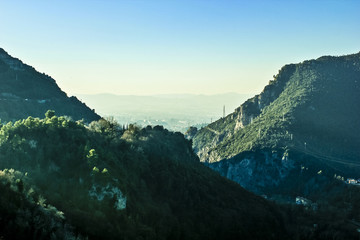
[(176, 112), (179, 120)]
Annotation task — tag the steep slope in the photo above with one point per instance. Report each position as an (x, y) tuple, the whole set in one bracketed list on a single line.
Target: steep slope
[(25, 92), (24, 214), (306, 118), (131, 184)]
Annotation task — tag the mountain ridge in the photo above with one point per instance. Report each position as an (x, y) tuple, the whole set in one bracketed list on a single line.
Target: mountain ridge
[(106, 181), (26, 92), (310, 109), (114, 183)]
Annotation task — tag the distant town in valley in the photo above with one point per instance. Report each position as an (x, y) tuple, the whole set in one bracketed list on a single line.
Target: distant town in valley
[(176, 112)]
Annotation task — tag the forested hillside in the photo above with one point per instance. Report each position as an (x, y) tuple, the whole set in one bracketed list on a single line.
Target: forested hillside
[(106, 182), (307, 118), (66, 179), (25, 92)]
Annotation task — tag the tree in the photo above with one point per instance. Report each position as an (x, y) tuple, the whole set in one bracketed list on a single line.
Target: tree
[(50, 113), (191, 132), (92, 157)]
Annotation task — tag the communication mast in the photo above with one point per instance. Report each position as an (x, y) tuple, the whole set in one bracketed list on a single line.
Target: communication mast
[(224, 111)]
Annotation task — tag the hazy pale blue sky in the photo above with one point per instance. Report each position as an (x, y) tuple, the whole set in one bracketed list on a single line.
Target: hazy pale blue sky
[(152, 47)]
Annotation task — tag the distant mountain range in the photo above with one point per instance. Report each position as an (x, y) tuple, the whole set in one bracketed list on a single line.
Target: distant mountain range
[(176, 112), (302, 127), (25, 92)]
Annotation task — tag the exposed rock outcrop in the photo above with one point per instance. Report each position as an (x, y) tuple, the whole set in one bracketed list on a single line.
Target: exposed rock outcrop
[(310, 108), (253, 107), (256, 171)]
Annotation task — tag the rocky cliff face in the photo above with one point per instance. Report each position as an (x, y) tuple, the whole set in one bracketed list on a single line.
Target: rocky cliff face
[(115, 183), (257, 172), (244, 115), (311, 108), (253, 107), (25, 92)]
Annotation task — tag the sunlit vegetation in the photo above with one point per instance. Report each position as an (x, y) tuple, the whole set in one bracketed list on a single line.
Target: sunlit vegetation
[(66, 179), (308, 107), (308, 113), (115, 183)]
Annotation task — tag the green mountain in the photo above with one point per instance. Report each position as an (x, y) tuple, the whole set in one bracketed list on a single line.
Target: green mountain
[(61, 179), (103, 182), (25, 92), (302, 127), (64, 180)]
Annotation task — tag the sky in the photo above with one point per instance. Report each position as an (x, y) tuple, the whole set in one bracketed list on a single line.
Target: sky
[(165, 47)]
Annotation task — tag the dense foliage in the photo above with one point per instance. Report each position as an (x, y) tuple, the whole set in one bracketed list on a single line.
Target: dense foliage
[(293, 138), (25, 214), (104, 181), (310, 107), (115, 183)]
